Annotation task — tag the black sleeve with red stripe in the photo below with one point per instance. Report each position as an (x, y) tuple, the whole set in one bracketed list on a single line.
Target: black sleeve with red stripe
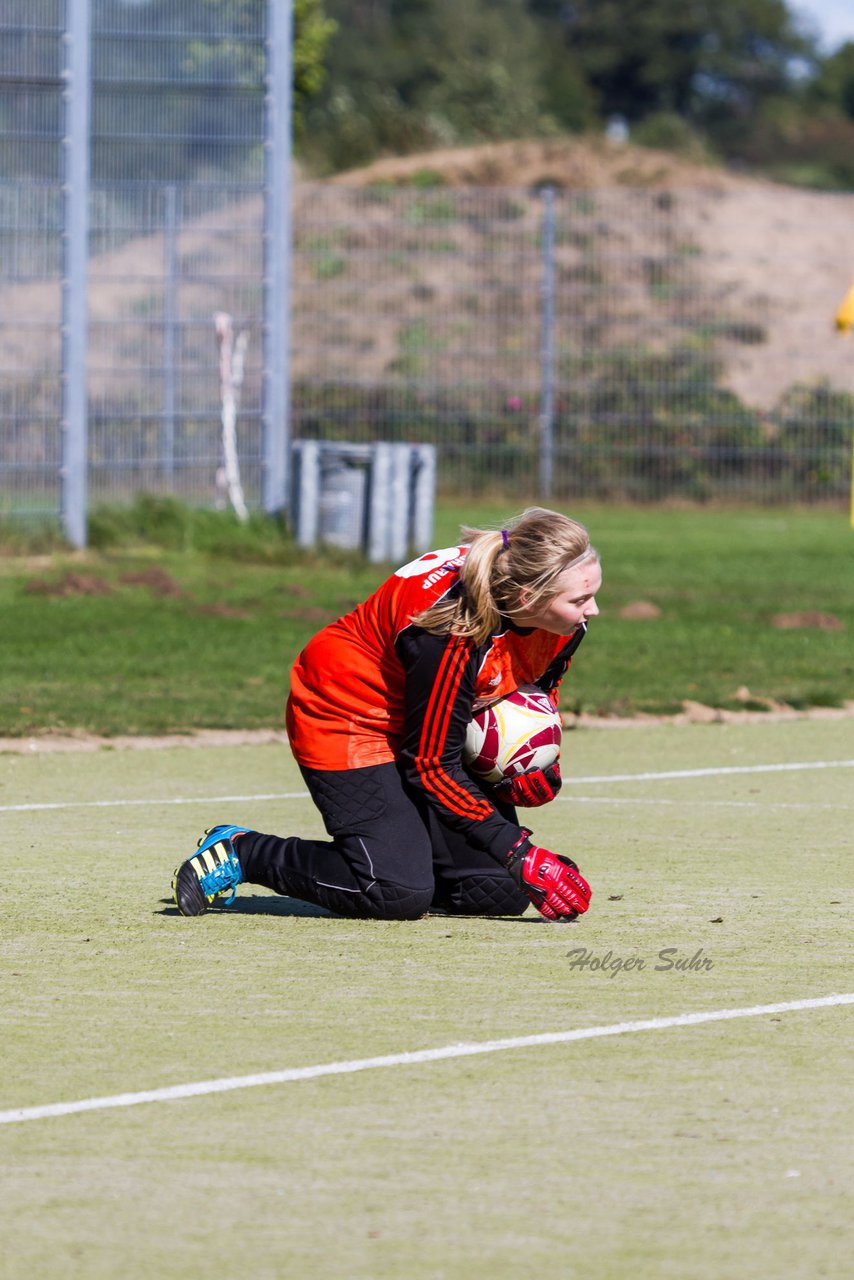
[(440, 675)]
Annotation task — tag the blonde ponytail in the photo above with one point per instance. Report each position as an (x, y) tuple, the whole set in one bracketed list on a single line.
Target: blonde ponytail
[(529, 553)]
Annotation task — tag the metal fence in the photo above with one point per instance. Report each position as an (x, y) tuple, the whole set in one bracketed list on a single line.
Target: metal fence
[(615, 343), (128, 130), (619, 343)]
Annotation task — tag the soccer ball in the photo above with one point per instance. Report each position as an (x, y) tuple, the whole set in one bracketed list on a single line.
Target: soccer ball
[(517, 734)]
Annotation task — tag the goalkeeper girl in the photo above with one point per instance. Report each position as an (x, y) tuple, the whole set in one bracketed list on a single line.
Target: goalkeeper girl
[(377, 715)]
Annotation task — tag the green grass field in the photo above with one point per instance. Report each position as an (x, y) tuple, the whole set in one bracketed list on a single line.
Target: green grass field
[(697, 1152), (201, 630)]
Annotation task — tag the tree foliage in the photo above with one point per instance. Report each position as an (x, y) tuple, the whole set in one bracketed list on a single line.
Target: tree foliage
[(742, 78), (414, 73), (227, 52), (704, 59), (834, 85)]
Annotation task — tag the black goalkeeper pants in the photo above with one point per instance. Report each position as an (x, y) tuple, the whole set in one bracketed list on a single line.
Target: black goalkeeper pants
[(389, 857)]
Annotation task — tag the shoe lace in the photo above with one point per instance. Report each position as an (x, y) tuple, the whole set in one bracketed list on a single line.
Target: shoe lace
[(224, 878)]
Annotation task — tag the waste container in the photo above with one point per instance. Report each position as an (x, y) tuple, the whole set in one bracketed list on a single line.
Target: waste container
[(377, 498)]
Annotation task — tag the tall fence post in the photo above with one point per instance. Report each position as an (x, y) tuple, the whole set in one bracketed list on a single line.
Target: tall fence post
[(170, 278), (547, 345), (277, 254), (75, 255)]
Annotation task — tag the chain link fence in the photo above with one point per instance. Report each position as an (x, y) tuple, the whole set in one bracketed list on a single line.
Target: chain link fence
[(616, 343), (31, 224), (176, 149), (609, 343)]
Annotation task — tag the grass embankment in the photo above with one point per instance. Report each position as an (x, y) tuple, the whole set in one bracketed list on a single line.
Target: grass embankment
[(181, 620)]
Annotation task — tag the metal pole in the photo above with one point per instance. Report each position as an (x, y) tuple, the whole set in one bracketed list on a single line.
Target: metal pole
[(75, 254), (170, 238), (547, 346), (277, 256)]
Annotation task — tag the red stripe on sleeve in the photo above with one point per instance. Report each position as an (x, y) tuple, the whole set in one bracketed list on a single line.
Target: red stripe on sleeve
[(454, 797), (444, 691), (434, 777)]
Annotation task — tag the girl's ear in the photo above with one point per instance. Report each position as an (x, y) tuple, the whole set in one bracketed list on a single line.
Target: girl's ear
[(523, 598)]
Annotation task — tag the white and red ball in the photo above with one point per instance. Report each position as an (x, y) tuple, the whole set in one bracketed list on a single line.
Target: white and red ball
[(517, 734)]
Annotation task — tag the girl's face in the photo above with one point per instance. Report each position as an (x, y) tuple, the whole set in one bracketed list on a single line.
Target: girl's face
[(574, 601)]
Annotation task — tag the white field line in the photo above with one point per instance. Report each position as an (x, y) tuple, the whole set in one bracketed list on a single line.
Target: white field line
[(719, 771), (712, 772), (151, 801), (199, 1088), (657, 803)]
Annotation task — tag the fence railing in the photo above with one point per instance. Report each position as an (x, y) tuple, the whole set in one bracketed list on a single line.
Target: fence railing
[(577, 343), (618, 343)]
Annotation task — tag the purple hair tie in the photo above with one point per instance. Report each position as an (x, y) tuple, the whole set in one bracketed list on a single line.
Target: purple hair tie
[(505, 537)]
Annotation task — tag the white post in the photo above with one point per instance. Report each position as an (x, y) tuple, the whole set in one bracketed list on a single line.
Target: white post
[(306, 465), (75, 257), (230, 377), (170, 329), (277, 256), (379, 493)]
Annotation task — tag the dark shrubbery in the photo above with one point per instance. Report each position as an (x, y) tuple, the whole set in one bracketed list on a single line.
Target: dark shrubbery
[(631, 425)]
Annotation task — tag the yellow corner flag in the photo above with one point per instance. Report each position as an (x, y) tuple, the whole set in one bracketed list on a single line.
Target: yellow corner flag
[(845, 314)]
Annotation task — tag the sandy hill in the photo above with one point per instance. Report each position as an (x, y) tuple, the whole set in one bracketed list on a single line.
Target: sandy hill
[(778, 257), (771, 259), (568, 163)]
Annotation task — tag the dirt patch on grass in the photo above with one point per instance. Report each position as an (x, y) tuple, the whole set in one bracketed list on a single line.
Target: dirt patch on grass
[(43, 744), (809, 620), (700, 713), (691, 713), (156, 579), (71, 584), (640, 611), (74, 583)]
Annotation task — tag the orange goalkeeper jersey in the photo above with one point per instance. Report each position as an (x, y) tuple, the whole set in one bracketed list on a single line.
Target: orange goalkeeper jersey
[(373, 688)]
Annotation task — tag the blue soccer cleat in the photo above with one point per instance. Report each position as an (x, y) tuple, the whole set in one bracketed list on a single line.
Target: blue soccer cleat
[(212, 873)]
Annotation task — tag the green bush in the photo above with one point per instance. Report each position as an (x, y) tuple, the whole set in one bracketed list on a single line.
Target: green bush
[(811, 446), (172, 525), (644, 425), (668, 131)]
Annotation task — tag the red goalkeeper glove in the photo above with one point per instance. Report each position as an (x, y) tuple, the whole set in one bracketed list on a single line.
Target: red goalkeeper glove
[(530, 790), (553, 883)]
